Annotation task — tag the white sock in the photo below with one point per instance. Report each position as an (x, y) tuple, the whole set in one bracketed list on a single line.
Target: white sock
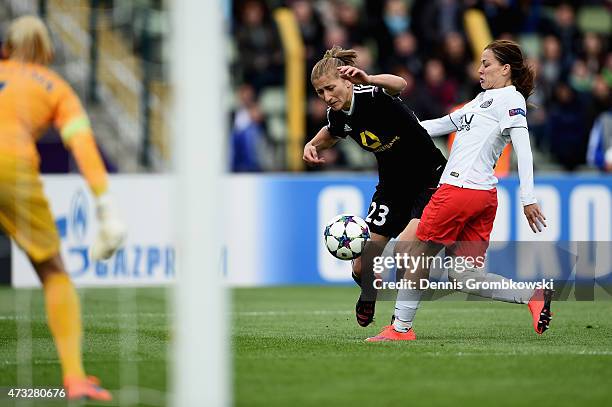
[(406, 307), (506, 295)]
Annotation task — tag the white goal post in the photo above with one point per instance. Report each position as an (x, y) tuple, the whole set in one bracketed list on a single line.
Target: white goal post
[(198, 80)]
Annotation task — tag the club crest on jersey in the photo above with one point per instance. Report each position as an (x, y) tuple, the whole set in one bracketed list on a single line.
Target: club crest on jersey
[(517, 111), (486, 104)]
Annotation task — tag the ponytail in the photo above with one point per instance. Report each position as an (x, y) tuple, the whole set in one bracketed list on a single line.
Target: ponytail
[(522, 74), (523, 79), (333, 59)]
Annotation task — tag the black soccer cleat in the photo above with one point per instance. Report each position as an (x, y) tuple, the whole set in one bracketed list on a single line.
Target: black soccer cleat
[(364, 311)]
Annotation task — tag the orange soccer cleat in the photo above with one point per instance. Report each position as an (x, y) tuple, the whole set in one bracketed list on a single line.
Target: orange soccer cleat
[(539, 305), (390, 334), (87, 388)]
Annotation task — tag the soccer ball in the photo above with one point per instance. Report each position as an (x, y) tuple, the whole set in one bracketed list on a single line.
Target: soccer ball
[(345, 236)]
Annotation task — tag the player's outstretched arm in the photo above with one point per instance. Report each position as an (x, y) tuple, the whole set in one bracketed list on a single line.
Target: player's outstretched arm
[(111, 230), (75, 129), (392, 84), (533, 213), (322, 141), (439, 127)]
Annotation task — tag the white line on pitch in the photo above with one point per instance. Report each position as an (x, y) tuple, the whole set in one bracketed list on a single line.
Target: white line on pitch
[(166, 315), (236, 313)]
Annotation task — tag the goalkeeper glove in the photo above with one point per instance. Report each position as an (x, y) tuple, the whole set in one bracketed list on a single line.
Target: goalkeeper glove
[(111, 230)]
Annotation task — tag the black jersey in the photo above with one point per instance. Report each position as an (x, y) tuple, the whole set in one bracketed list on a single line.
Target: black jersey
[(385, 126)]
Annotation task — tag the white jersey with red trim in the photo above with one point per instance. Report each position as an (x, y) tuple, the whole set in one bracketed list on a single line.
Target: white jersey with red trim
[(483, 130)]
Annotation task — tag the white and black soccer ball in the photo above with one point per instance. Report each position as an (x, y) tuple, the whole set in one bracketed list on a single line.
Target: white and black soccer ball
[(345, 236)]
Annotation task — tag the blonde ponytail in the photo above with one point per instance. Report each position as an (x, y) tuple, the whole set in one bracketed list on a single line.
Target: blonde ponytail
[(333, 59)]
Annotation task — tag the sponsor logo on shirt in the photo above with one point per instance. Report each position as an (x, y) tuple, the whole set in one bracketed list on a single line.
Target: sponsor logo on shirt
[(387, 146), (486, 104), (371, 142), (517, 111), (454, 174), (347, 128), (465, 122)]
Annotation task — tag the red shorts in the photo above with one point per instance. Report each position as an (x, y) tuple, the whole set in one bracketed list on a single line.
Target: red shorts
[(455, 216)]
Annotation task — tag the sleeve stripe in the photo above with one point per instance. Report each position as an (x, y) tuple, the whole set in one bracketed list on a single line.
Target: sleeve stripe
[(366, 88), (451, 119), (396, 96), (74, 126)]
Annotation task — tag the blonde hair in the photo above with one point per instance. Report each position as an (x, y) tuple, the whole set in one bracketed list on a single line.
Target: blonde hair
[(333, 59), (28, 40)]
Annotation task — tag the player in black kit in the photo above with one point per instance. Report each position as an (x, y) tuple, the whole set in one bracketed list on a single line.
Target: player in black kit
[(367, 109)]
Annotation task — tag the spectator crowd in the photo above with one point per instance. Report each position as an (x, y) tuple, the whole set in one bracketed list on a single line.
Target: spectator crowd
[(425, 42)]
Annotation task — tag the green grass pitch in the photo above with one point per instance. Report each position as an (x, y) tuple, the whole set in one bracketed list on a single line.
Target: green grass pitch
[(301, 346)]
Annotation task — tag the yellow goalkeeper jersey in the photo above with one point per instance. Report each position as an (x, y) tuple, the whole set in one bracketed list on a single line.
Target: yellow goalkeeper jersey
[(33, 98)]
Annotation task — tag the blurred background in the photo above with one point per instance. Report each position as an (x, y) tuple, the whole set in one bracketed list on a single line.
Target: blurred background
[(115, 54)]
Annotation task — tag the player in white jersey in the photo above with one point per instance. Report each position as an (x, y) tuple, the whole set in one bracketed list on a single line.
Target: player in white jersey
[(461, 212)]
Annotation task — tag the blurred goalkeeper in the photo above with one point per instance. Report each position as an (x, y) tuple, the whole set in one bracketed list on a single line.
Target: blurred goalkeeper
[(32, 98)]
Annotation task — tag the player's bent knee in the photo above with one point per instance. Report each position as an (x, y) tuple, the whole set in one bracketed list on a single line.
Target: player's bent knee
[(409, 232), (45, 268), (462, 273), (357, 266)]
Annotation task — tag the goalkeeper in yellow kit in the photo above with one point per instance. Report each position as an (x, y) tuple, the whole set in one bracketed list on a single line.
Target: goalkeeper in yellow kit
[(32, 98)]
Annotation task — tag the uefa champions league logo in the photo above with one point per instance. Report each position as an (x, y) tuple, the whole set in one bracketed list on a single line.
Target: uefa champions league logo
[(148, 261), (79, 215), (73, 229)]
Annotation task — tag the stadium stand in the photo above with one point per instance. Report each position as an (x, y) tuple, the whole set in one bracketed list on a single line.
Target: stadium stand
[(426, 42), (119, 74)]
